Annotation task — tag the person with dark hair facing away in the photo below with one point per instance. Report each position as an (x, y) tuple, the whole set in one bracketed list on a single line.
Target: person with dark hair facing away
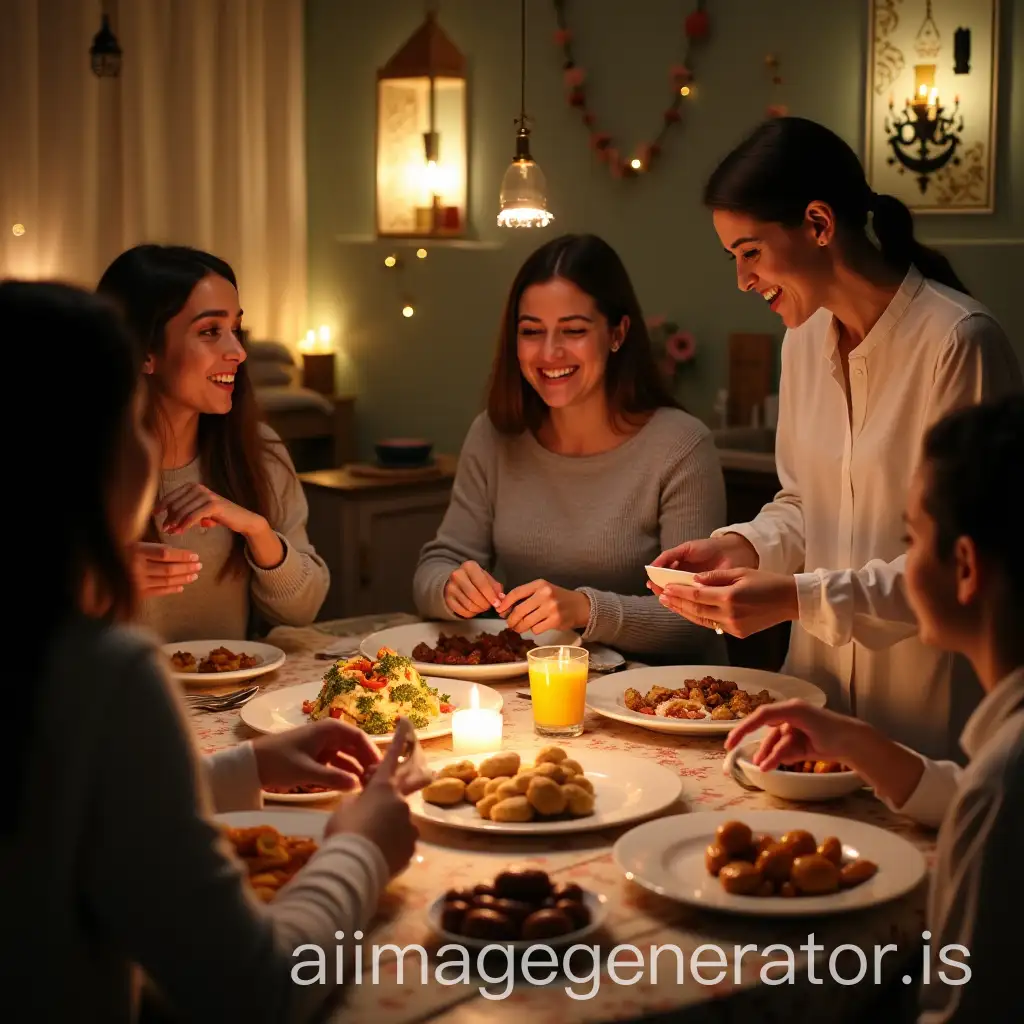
[(965, 580), (881, 341), (228, 545), (580, 471), (110, 864)]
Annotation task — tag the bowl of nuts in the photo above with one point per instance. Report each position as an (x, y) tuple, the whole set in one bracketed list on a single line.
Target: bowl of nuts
[(519, 909), (804, 781)]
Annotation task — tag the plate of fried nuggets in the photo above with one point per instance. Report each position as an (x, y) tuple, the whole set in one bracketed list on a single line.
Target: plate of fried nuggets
[(546, 790)]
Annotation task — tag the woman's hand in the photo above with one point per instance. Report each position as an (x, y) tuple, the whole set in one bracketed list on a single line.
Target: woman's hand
[(380, 814), (471, 590), (739, 601), (798, 731), (159, 569), (730, 551), (196, 505), (539, 606), (325, 753), (801, 732)]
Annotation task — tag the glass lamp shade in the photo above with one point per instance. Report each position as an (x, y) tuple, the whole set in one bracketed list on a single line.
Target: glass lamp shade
[(523, 200)]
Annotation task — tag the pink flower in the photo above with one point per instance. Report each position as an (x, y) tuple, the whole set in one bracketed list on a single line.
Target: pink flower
[(680, 74), (614, 161), (574, 77), (667, 366), (654, 322), (562, 36), (778, 110), (681, 346)]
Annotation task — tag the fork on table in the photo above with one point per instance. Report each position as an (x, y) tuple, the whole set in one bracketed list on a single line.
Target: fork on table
[(220, 702)]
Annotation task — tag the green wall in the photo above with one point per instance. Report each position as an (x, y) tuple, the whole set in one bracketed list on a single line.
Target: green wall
[(425, 375)]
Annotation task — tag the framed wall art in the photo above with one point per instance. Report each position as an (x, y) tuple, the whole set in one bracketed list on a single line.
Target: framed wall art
[(932, 78)]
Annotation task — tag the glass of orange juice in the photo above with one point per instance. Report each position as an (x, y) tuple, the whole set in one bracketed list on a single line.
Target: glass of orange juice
[(558, 689)]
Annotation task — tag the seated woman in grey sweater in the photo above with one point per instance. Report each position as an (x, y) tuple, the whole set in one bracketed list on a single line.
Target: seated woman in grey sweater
[(109, 863), (578, 472), (228, 543)]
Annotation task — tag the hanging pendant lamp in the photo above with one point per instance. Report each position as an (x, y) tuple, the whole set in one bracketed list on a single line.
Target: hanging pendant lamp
[(523, 199)]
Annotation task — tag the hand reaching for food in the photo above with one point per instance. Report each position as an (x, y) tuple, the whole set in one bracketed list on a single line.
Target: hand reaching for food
[(539, 606), (380, 813), (470, 590), (328, 753)]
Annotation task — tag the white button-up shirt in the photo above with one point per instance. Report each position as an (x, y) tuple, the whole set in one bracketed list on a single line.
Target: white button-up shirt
[(844, 465)]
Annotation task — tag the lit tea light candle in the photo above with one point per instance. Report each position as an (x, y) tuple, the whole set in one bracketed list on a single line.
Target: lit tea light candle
[(476, 730)]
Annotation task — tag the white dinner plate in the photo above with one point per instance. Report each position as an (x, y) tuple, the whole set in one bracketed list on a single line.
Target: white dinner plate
[(596, 903), (625, 789), (667, 857), (270, 659), (299, 798), (606, 695), (281, 710), (287, 821), (404, 638)]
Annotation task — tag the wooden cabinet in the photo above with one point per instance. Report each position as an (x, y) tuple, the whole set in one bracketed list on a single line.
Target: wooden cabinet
[(370, 532)]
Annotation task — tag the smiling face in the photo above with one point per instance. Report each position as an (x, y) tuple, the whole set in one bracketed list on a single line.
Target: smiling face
[(790, 268), (202, 349), (563, 343)]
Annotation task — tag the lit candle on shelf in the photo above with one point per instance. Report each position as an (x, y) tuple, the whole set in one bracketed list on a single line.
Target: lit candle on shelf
[(476, 730)]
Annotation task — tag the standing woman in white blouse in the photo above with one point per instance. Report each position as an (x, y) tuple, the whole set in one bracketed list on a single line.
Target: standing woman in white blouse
[(882, 340)]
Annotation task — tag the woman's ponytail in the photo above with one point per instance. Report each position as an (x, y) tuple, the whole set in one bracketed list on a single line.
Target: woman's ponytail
[(894, 228)]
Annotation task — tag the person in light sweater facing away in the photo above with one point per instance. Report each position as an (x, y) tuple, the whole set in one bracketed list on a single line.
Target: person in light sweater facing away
[(881, 341), (110, 865), (228, 546), (581, 470), (965, 581)]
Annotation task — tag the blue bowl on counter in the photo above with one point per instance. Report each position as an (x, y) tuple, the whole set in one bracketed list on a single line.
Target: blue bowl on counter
[(403, 452)]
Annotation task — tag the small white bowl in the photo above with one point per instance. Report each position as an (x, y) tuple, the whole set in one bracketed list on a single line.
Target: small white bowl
[(800, 787), (661, 577)]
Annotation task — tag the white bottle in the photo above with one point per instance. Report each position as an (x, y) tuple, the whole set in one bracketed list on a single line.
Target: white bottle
[(721, 408)]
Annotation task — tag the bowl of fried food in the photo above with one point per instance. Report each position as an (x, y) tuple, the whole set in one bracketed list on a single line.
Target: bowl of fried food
[(794, 864), (802, 782), (517, 909), (503, 788)]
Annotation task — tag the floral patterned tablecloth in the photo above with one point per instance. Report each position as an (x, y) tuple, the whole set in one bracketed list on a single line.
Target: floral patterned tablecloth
[(636, 917)]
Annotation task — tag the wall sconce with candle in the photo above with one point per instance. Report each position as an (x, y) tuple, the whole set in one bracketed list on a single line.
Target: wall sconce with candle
[(923, 137), (422, 152), (318, 361), (932, 84)]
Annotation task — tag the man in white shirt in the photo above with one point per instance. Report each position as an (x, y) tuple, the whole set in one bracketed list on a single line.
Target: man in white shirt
[(965, 581)]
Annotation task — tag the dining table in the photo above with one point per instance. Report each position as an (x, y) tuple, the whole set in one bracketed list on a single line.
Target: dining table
[(447, 858)]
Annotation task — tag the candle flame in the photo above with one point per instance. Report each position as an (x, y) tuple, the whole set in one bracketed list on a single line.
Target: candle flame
[(474, 698)]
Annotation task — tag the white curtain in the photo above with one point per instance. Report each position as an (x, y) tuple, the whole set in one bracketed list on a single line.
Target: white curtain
[(200, 141)]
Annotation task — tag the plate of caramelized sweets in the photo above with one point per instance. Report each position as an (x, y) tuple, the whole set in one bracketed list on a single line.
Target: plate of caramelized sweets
[(477, 649), (702, 699), (273, 845), (770, 863), (518, 909), (212, 662)]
